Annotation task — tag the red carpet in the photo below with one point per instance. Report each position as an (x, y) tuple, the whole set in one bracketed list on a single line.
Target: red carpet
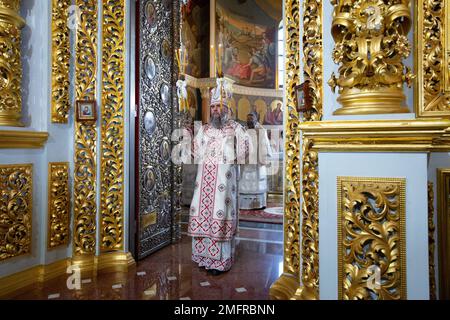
[(260, 216)]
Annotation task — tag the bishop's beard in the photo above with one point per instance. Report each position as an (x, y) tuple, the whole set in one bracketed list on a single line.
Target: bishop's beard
[(219, 121)]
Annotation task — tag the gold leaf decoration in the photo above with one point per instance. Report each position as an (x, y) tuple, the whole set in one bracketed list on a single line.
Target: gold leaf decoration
[(433, 57), (112, 155), (313, 73), (371, 238), (85, 204), (16, 205), (60, 61), (58, 204), (292, 183), (371, 43), (10, 63)]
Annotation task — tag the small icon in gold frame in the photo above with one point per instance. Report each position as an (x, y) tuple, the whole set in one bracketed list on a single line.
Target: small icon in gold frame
[(86, 111)]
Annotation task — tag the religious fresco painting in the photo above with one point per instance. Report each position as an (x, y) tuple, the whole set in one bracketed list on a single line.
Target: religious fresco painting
[(195, 35), (248, 43)]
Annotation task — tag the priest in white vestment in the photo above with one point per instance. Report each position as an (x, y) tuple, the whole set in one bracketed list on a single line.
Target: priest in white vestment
[(253, 179), (219, 147)]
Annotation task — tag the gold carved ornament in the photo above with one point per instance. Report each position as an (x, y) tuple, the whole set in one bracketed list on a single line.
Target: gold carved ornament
[(433, 58), (313, 73), (301, 184), (112, 126), (371, 42), (287, 284), (371, 238), (10, 63), (16, 209), (58, 204), (85, 204), (431, 241), (60, 61)]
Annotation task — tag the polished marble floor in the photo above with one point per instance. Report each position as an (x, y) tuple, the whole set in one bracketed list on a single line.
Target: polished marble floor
[(170, 274)]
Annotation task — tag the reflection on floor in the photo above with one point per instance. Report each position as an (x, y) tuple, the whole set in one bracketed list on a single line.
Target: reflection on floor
[(170, 274)]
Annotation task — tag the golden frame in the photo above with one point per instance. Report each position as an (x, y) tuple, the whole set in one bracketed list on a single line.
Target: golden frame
[(432, 59), (443, 190), (368, 184)]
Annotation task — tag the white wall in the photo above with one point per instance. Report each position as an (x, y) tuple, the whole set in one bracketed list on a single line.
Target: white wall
[(413, 167)]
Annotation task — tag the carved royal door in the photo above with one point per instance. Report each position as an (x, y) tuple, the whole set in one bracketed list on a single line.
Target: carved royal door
[(156, 186)]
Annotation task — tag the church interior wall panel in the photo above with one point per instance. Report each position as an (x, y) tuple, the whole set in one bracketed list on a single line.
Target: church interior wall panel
[(371, 238), (58, 233), (412, 167), (85, 135), (16, 182), (36, 98), (432, 58), (112, 126), (10, 91), (60, 105)]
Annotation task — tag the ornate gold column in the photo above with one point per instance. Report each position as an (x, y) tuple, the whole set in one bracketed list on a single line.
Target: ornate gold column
[(371, 42), (10, 64), (85, 149)]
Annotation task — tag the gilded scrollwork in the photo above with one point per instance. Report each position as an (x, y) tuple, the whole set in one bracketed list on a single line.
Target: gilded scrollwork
[(16, 188), (292, 184), (433, 47), (10, 63), (371, 238), (313, 73), (60, 61), (85, 204), (58, 204), (431, 242), (371, 43), (112, 126), (300, 279)]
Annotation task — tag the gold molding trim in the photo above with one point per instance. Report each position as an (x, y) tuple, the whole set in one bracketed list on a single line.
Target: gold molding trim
[(58, 205), (443, 191), (19, 282), (60, 61), (10, 139), (16, 210), (431, 241), (107, 262), (85, 174), (432, 26), (112, 126), (115, 262), (420, 135), (371, 232)]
